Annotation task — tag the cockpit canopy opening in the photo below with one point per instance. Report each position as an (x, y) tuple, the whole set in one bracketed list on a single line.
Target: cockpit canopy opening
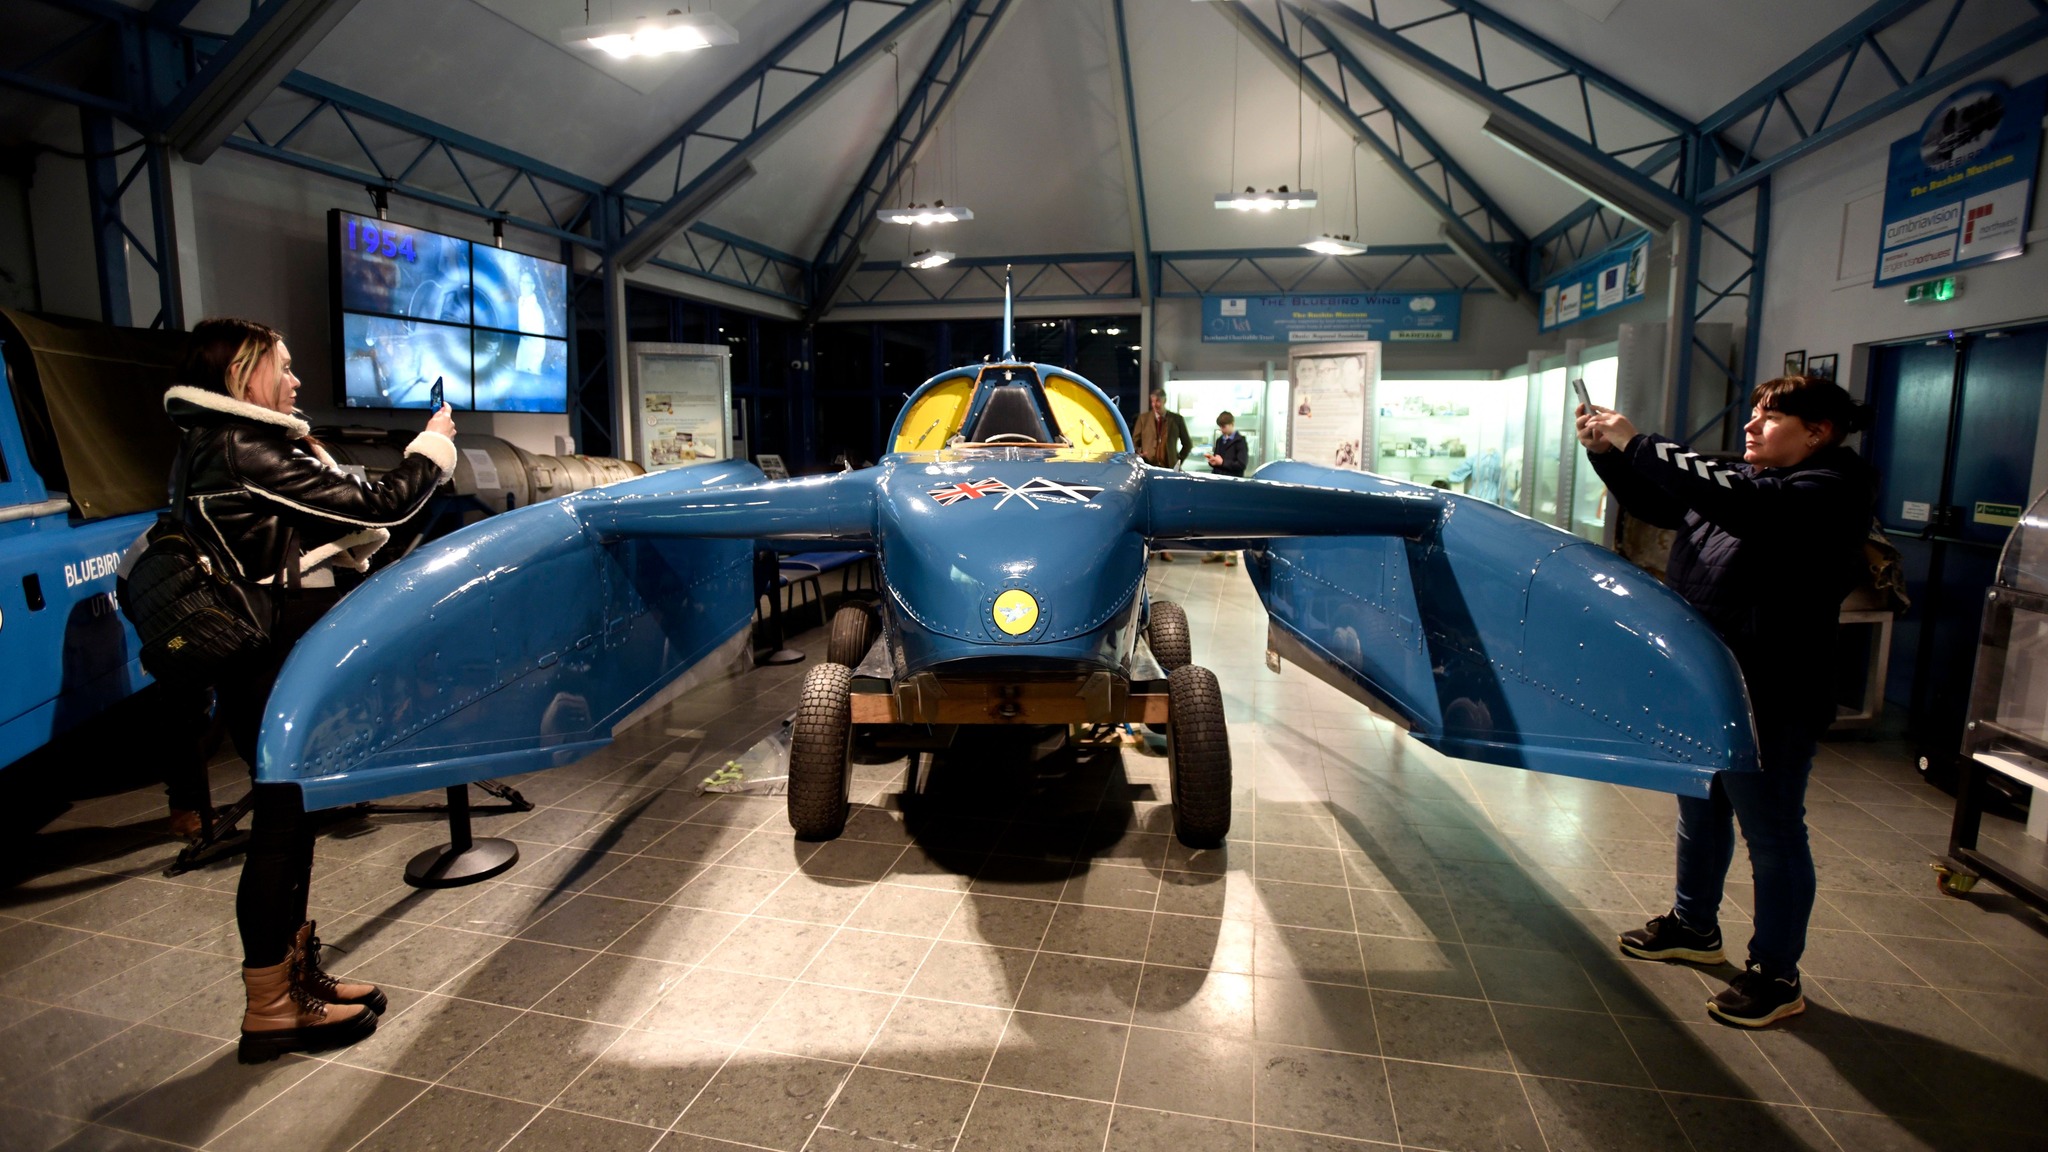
[(1009, 404)]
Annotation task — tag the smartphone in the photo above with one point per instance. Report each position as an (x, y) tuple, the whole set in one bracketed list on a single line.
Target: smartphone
[(1578, 385), (434, 398)]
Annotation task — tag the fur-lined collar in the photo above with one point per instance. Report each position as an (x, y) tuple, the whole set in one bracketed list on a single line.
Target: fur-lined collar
[(185, 394)]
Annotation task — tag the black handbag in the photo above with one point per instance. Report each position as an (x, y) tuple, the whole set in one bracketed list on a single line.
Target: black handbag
[(195, 619)]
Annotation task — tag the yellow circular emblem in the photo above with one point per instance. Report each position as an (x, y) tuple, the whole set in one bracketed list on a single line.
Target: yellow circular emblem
[(1016, 612)]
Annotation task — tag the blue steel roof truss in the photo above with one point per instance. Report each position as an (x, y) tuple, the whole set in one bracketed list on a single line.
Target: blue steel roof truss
[(772, 94), (1065, 277), (1762, 129), (972, 25), (1392, 267)]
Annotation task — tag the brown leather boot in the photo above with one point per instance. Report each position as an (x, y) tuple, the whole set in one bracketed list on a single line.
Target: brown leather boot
[(283, 1018), (308, 975)]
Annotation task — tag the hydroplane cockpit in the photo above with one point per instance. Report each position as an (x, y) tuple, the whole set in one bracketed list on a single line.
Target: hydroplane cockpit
[(1009, 405)]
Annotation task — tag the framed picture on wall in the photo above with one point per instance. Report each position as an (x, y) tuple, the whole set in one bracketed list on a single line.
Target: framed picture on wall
[(1822, 366), (1795, 363)]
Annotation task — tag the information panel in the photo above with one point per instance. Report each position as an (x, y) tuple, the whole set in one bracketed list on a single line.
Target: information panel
[(1307, 318), (1609, 280), (1331, 390), (1960, 190), (682, 400)]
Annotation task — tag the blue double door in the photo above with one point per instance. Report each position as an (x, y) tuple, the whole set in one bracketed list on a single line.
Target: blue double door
[(1954, 443)]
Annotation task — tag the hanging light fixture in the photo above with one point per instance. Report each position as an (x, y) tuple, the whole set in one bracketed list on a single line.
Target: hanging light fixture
[(1253, 200), (930, 258), (653, 35), (1334, 246), (1339, 244), (938, 212)]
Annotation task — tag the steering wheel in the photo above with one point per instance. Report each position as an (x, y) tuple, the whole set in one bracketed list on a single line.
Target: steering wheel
[(1011, 438)]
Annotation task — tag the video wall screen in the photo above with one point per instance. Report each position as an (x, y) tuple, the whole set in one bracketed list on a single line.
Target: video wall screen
[(412, 306)]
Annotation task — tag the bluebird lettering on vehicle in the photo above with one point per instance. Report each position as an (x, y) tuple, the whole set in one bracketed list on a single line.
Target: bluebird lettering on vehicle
[(90, 569)]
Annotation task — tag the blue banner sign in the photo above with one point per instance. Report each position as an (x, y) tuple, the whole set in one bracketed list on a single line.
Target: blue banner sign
[(1307, 318), (1609, 280), (1960, 190)]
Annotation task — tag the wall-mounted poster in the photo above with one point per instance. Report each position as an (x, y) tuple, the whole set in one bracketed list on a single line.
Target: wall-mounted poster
[(682, 403), (1303, 318), (1609, 280), (1959, 191), (1330, 392)]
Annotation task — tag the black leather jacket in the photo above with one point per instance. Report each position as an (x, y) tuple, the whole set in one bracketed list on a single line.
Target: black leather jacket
[(257, 481)]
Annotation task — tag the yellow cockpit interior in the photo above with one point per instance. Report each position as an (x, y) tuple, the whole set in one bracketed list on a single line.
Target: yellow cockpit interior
[(937, 418)]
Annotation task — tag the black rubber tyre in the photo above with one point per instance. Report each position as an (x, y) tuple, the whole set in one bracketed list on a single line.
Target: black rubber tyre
[(1166, 631), (820, 753), (853, 631), (1198, 757)]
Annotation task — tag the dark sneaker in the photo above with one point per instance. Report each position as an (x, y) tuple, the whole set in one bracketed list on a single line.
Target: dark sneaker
[(1754, 1000), (1664, 938)]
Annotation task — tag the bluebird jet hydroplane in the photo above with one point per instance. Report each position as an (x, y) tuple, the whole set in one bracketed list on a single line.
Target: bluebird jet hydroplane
[(1011, 522)]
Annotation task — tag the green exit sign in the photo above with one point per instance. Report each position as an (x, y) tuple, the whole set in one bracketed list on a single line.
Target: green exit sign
[(1935, 291)]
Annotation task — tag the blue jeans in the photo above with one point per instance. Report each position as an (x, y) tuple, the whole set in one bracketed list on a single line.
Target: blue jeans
[(1770, 806)]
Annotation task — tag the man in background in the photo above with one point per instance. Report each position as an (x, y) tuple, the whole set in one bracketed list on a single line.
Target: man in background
[(1162, 439)]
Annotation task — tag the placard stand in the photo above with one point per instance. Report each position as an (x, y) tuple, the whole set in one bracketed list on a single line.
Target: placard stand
[(464, 860)]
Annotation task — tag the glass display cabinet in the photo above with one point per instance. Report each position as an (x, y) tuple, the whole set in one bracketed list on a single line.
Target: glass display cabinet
[(2007, 727), (1199, 400), (1458, 433)]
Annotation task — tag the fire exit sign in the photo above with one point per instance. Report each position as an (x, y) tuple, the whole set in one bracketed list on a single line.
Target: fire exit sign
[(1935, 291)]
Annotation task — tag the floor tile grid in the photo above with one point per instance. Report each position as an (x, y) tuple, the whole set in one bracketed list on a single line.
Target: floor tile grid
[(1204, 643), (1475, 790), (1491, 819), (1664, 1096), (146, 801), (651, 755)]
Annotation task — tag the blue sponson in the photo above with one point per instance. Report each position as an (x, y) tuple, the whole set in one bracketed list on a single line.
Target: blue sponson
[(518, 643), (1503, 640)]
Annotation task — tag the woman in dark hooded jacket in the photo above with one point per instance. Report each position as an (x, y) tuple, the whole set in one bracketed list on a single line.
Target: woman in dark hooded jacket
[(279, 510), (1766, 551)]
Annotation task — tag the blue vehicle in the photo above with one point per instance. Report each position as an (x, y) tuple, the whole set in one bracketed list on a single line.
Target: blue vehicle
[(1012, 524), (83, 456)]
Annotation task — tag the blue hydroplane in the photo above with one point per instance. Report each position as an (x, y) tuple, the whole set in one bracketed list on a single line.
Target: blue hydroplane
[(1011, 522)]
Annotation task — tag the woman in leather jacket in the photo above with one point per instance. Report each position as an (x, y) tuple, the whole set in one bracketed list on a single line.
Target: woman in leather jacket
[(1766, 551), (274, 504)]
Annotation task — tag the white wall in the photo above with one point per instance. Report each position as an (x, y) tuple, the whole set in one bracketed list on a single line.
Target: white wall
[(1824, 231)]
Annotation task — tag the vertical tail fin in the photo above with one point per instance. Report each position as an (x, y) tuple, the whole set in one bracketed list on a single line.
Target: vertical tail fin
[(1009, 319)]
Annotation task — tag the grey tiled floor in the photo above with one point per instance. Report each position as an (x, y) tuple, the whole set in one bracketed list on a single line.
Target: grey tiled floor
[(1392, 948)]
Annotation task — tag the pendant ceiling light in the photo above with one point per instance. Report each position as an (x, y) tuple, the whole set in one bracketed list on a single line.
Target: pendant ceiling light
[(1251, 199), (1340, 244), (653, 35), (931, 258), (937, 213)]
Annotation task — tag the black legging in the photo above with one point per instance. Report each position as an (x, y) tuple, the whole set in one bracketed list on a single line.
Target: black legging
[(270, 903)]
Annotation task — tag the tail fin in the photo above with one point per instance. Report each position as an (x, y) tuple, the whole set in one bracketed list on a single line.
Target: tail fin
[(1009, 319)]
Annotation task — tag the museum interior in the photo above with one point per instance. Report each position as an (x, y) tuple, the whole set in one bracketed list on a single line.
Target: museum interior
[(1002, 575)]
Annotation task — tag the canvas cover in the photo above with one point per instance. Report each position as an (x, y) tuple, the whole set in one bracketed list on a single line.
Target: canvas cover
[(90, 399)]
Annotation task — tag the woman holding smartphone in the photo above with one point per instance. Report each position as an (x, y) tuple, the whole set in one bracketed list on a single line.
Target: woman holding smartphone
[(279, 511), (1766, 551)]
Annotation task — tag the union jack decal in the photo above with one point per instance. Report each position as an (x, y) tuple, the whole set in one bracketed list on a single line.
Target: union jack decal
[(954, 493), (1033, 492)]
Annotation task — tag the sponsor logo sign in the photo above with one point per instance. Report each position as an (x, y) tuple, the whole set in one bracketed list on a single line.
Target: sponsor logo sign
[(1959, 190)]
